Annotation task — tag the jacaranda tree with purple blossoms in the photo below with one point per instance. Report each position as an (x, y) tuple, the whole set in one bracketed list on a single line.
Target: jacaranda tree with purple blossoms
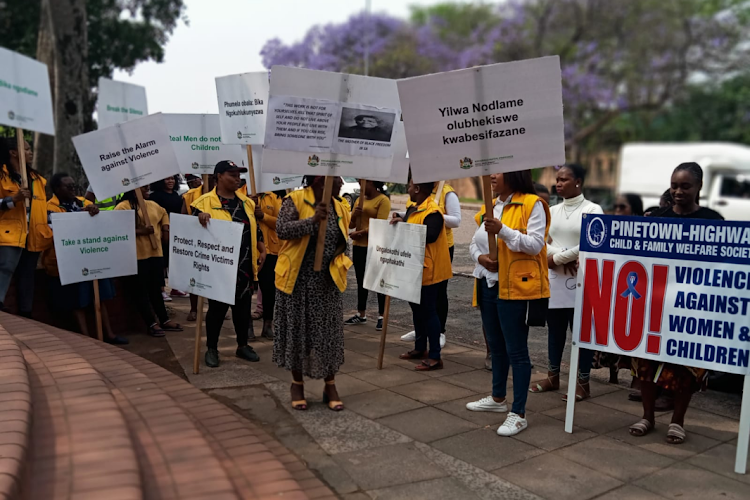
[(617, 56)]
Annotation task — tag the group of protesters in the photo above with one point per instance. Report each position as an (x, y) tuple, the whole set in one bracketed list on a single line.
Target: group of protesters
[(302, 310)]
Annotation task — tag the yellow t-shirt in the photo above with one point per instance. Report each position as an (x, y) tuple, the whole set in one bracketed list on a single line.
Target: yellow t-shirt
[(376, 208), (158, 217)]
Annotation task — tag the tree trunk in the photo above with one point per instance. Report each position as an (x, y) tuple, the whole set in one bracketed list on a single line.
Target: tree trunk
[(44, 145), (71, 80)]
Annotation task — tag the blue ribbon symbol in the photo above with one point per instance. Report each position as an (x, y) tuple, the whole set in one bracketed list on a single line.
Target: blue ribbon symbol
[(632, 280)]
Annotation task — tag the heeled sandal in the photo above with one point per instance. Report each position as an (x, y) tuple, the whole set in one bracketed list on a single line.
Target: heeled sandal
[(332, 405), (300, 404), (583, 391), (551, 383)]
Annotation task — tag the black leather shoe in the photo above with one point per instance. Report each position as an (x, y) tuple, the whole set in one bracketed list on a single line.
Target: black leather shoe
[(247, 353), (212, 358)]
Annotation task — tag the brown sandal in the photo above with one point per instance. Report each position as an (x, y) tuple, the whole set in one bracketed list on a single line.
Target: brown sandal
[(583, 391), (426, 366), (192, 316), (414, 355), (332, 405), (300, 404), (551, 383)]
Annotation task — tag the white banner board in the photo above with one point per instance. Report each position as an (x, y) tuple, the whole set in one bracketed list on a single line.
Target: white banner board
[(489, 119), (265, 182), (90, 248), (395, 259), (119, 102), (322, 123), (25, 97), (197, 143), (203, 261), (243, 103), (669, 290), (127, 156)]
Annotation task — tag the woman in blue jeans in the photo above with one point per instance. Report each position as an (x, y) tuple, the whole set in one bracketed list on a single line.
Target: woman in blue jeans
[(511, 285)]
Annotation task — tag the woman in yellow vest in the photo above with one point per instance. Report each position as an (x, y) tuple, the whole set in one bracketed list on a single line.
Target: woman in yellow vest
[(145, 287), (450, 206), (520, 287), (227, 203), (437, 270), (267, 209), (376, 206), (75, 297), (308, 326), (19, 249)]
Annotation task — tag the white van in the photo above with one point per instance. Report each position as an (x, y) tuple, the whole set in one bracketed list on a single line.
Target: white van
[(646, 169)]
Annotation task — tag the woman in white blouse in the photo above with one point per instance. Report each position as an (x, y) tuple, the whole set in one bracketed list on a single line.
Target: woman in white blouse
[(507, 283), (562, 257)]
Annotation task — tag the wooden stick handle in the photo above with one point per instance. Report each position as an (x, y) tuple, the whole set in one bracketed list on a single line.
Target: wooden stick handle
[(144, 214), (21, 150), (198, 327), (489, 211), (361, 201), (251, 170), (199, 307), (439, 191), (98, 311), (327, 189), (386, 313)]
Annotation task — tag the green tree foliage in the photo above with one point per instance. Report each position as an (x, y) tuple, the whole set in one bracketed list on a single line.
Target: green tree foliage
[(121, 33), (711, 111)]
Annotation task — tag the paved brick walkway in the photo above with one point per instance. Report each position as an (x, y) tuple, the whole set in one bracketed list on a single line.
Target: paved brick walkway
[(408, 435), (84, 420)]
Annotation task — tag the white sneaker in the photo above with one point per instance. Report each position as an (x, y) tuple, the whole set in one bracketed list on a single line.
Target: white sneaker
[(166, 297), (487, 404), (442, 340), (513, 425), (409, 337)]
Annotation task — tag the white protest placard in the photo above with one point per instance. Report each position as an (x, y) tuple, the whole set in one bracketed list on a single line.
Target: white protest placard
[(203, 261), (197, 143), (489, 119), (322, 123), (673, 291), (127, 156), (395, 259), (669, 290), (266, 182), (243, 103), (119, 102), (90, 248), (25, 97)]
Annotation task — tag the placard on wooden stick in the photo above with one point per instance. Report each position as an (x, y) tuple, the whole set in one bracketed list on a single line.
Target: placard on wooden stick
[(199, 315)]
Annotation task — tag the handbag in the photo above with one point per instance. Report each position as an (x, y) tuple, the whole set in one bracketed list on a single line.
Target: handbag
[(536, 315)]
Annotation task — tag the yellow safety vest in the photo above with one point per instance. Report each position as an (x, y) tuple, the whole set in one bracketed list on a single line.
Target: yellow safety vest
[(209, 203), (437, 257), (440, 200), (293, 251), (522, 276)]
